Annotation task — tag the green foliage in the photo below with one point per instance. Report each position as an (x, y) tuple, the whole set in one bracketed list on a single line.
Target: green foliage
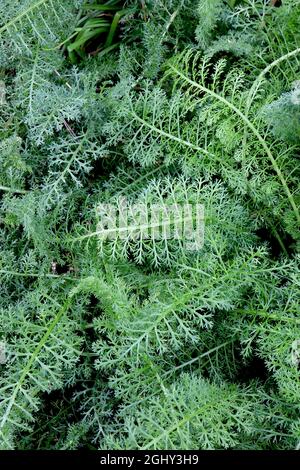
[(97, 20), (129, 342)]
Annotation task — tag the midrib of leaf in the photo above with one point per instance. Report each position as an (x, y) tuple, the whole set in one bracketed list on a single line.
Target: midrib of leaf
[(253, 129), (136, 182), (21, 15), (267, 69), (171, 136), (180, 302), (201, 356), (12, 190), (133, 228), (270, 316), (256, 84), (31, 361), (38, 275)]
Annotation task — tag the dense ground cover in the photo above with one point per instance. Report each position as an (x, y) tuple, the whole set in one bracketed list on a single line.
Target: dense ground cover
[(145, 343)]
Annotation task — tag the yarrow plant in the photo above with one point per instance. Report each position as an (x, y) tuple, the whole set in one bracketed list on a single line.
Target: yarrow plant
[(149, 224)]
